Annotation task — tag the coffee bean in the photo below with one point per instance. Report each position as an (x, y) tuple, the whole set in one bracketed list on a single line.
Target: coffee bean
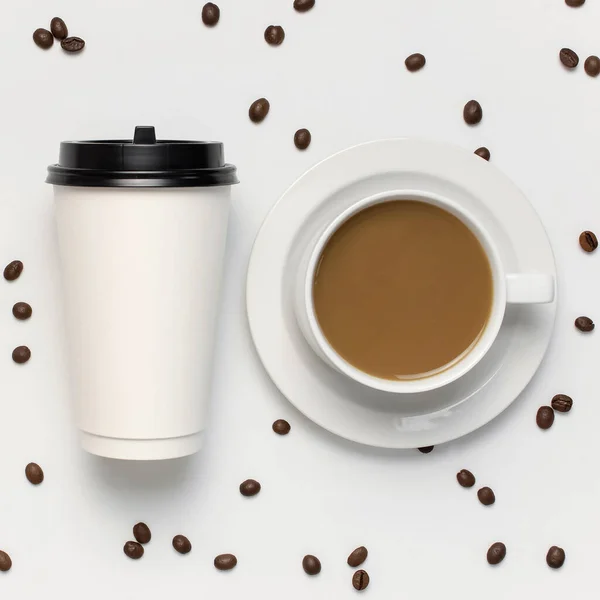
[(357, 557), (22, 311), (545, 417), (486, 496), (562, 403), (360, 580), (575, 3), (5, 561), (302, 139), (496, 553), (59, 28), (250, 487), (584, 324), (274, 35), (484, 153), (72, 44), (568, 58), (472, 113), (13, 270), (311, 565), (182, 544), (555, 557), (43, 38), (465, 478), (21, 354), (303, 5), (415, 62), (426, 449), (592, 66), (142, 533), (133, 550), (225, 562), (259, 110), (281, 427), (588, 241), (211, 14), (34, 473)]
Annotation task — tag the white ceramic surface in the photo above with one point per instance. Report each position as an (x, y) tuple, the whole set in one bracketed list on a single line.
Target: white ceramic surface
[(515, 288), (332, 400), (142, 270)]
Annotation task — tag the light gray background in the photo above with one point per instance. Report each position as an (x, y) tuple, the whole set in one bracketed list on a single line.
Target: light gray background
[(340, 73)]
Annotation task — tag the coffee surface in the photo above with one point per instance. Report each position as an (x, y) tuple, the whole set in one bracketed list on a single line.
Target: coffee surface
[(403, 288)]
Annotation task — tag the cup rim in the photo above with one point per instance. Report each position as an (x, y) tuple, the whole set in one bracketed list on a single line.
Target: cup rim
[(461, 364)]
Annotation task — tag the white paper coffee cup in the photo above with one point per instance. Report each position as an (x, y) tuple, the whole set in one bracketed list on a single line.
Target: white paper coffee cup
[(142, 228)]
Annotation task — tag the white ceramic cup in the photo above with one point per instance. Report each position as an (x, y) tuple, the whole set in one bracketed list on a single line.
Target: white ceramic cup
[(508, 288)]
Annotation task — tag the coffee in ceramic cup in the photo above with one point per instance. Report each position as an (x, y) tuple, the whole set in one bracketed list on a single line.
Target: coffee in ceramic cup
[(403, 289)]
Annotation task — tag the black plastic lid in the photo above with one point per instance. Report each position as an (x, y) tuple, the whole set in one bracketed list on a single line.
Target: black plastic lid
[(141, 162)]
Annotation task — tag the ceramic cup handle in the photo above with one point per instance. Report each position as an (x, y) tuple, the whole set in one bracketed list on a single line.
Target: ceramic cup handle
[(534, 288)]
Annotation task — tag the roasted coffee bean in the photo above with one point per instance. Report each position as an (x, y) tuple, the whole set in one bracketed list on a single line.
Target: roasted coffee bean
[(360, 580), (34, 473), (584, 324), (5, 561), (592, 66), (72, 44), (545, 417), (225, 562), (43, 38), (133, 550), (303, 5), (259, 110), (562, 403), (588, 241), (302, 139), (250, 487), (281, 427), (142, 533), (465, 478), (426, 449), (182, 544), (484, 153), (211, 14), (415, 62), (568, 58), (274, 35), (575, 3), (472, 113), (311, 565), (59, 28), (555, 557), (21, 354), (13, 270), (496, 553), (486, 496), (357, 557), (22, 311)]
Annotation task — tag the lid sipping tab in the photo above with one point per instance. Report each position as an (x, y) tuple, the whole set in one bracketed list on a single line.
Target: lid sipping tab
[(144, 134)]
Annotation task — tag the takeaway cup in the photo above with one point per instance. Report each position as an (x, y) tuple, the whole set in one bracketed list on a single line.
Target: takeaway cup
[(141, 229)]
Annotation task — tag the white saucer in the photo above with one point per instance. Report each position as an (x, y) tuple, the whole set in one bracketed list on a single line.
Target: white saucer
[(346, 408)]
